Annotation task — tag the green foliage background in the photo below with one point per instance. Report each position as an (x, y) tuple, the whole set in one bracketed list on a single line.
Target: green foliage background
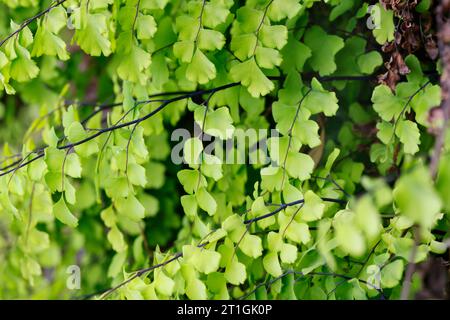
[(86, 176)]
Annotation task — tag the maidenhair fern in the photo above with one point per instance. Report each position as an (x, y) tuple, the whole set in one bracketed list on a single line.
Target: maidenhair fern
[(326, 182)]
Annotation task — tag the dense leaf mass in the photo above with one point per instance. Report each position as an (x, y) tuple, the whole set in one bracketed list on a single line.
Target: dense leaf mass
[(98, 198)]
